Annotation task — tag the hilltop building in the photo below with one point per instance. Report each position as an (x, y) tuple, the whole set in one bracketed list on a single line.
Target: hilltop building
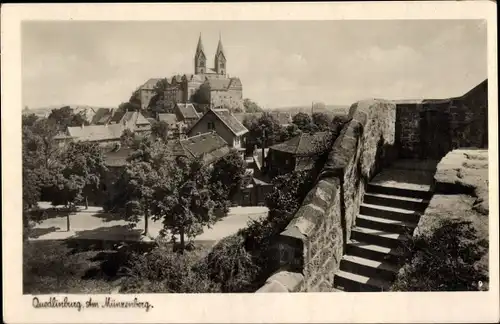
[(206, 86)]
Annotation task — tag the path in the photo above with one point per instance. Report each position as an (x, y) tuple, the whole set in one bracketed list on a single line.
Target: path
[(96, 225)]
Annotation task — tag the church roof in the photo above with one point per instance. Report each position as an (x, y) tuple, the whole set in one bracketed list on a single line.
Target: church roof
[(220, 48), (199, 47)]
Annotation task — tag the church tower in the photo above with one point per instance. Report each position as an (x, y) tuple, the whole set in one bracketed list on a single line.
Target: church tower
[(200, 60), (220, 59)]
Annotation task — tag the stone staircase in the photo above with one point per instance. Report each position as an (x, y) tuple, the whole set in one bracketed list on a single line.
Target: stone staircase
[(388, 216)]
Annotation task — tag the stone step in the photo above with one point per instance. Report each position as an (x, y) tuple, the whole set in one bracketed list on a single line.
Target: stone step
[(373, 251), (385, 224), (369, 268), (377, 237), (401, 214), (399, 191), (351, 282), (409, 203)]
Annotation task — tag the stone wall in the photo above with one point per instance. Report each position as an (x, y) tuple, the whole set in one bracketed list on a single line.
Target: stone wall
[(460, 122), (311, 247)]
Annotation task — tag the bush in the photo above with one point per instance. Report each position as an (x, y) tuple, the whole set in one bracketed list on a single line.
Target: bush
[(446, 260), (162, 271), (231, 266)]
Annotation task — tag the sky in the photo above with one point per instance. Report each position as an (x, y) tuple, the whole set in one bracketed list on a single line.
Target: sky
[(280, 63)]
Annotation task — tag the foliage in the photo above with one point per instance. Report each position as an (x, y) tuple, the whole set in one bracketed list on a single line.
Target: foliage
[(266, 129), (157, 102), (321, 122), (444, 260), (244, 261), (290, 132), (127, 139), (202, 95), (129, 106), (29, 120), (160, 130), (231, 266), (161, 271), (64, 117), (250, 106), (303, 122), (227, 177)]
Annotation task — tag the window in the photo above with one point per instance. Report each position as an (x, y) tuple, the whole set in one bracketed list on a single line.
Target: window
[(222, 65), (202, 63), (211, 125)]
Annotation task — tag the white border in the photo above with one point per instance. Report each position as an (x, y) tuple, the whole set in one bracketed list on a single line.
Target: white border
[(224, 308)]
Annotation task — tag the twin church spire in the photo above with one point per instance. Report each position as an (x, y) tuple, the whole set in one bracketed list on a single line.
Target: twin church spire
[(200, 59)]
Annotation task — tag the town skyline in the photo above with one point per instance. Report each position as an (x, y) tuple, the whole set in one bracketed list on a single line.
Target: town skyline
[(279, 64)]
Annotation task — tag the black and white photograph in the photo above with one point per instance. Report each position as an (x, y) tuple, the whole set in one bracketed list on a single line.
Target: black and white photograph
[(255, 156)]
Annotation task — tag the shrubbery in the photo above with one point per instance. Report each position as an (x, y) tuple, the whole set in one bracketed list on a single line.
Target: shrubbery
[(162, 271), (446, 260)]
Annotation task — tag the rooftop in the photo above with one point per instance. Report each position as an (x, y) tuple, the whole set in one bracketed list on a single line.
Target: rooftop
[(305, 144), (187, 110), (230, 121)]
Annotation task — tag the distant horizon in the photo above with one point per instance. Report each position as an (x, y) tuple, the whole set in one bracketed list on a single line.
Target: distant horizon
[(280, 63)]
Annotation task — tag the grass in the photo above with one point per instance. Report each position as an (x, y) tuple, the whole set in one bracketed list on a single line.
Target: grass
[(64, 266)]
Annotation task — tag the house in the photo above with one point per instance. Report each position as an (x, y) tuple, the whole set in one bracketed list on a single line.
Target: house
[(185, 112), (224, 124), (176, 129), (297, 154), (208, 146), (109, 132)]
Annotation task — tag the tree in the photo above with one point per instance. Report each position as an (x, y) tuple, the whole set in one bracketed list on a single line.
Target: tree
[(303, 121), (156, 104), (160, 130), (183, 199), (250, 106), (263, 130), (64, 117), (321, 121), (29, 120), (127, 139), (290, 132), (140, 182), (84, 160), (226, 178)]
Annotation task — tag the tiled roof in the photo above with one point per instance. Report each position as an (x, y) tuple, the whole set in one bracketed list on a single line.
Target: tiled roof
[(168, 118), (150, 84), (187, 111), (96, 132), (208, 146), (141, 120), (118, 117), (102, 116), (305, 144), (230, 121)]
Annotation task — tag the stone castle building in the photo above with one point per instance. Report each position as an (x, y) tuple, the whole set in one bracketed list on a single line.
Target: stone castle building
[(206, 87)]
